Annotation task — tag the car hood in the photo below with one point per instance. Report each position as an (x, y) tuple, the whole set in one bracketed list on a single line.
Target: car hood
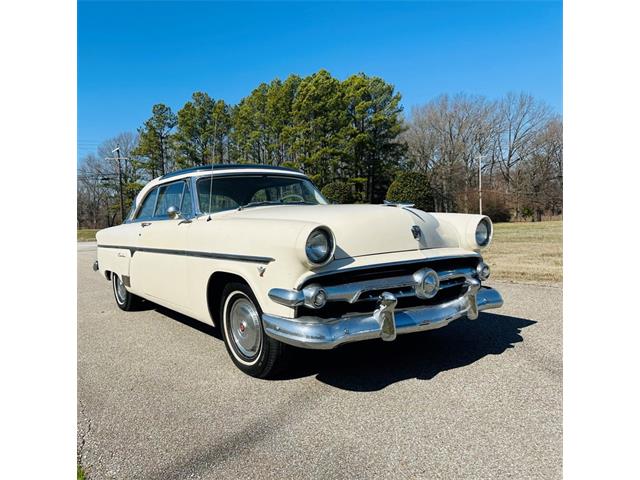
[(364, 229)]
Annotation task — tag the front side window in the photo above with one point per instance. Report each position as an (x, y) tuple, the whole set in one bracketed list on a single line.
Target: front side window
[(169, 195), (227, 193), (146, 210)]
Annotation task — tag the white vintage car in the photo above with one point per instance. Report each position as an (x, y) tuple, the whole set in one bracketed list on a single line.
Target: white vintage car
[(259, 252)]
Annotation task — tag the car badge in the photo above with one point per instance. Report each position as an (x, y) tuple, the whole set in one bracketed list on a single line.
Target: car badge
[(417, 233)]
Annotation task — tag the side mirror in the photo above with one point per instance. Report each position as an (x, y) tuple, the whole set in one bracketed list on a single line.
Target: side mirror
[(173, 212)]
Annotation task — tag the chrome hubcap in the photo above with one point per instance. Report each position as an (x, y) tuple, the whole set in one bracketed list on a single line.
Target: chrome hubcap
[(244, 324), (121, 292)]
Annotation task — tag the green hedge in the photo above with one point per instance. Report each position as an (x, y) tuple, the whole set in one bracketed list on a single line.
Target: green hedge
[(339, 192), (411, 187)]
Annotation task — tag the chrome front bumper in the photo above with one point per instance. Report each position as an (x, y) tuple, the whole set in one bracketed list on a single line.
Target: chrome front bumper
[(385, 322)]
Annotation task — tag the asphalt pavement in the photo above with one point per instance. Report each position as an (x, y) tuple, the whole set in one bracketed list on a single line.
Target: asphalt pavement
[(159, 398)]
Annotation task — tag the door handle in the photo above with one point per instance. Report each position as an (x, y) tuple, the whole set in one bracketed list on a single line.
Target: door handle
[(145, 224)]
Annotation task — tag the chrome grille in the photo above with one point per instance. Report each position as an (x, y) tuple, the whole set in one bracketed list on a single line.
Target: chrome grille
[(357, 290)]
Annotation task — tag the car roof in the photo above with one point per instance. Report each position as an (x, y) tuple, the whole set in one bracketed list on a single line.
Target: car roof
[(227, 166)]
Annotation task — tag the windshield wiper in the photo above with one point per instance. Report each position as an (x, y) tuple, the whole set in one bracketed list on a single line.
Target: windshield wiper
[(272, 202), (258, 204)]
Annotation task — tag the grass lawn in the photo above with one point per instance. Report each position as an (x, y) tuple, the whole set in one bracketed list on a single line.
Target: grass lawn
[(526, 252), (87, 235)]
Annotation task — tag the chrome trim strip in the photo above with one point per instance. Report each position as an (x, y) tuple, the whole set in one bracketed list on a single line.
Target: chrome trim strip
[(228, 166), (190, 253), (317, 333), (122, 247), (423, 261), (194, 196)]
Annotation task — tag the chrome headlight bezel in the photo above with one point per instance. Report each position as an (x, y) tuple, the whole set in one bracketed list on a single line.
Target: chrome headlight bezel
[(327, 235), (485, 237)]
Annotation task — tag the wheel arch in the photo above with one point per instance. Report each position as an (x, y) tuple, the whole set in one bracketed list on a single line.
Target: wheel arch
[(215, 286)]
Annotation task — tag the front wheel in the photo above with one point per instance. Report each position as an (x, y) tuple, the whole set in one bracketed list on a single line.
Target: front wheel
[(253, 352), (126, 300)]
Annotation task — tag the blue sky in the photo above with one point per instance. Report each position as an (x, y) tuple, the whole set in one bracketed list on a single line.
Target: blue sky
[(134, 54)]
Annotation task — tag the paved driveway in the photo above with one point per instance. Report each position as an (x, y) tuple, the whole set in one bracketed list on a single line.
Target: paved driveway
[(158, 398)]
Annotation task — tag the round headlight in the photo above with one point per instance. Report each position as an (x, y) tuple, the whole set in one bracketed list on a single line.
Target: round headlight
[(319, 246), (483, 232)]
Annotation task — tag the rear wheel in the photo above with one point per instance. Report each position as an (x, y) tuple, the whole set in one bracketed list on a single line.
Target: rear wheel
[(126, 300), (253, 352)]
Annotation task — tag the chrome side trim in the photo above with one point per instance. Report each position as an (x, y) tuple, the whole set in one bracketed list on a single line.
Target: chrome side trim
[(318, 333), (190, 253)]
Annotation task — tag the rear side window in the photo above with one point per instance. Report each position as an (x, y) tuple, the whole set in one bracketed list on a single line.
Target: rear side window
[(146, 211), (170, 195)]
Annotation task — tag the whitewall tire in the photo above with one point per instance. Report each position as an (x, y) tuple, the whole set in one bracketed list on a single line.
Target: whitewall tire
[(125, 300), (252, 351)]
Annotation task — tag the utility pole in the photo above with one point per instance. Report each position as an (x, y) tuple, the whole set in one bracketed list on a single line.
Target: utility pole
[(118, 159), (480, 157), (117, 150)]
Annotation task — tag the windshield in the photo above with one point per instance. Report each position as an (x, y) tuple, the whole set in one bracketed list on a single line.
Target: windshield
[(246, 191)]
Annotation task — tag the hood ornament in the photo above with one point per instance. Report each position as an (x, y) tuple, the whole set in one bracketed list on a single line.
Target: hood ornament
[(417, 233), (389, 203)]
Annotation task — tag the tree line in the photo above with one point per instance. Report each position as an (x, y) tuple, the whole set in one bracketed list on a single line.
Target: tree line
[(352, 139)]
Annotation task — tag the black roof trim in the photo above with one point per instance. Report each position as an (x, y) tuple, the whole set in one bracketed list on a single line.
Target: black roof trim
[(224, 166)]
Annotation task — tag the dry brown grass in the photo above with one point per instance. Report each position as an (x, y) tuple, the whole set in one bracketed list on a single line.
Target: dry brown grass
[(526, 252), (87, 235)]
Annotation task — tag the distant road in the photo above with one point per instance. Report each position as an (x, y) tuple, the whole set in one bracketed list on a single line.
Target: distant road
[(159, 398), (86, 246)]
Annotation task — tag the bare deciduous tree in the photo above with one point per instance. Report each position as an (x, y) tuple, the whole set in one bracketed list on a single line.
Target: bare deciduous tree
[(516, 138), (98, 187)]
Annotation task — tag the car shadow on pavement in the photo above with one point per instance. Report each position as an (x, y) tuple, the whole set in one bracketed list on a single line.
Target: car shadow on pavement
[(374, 365), (188, 321)]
